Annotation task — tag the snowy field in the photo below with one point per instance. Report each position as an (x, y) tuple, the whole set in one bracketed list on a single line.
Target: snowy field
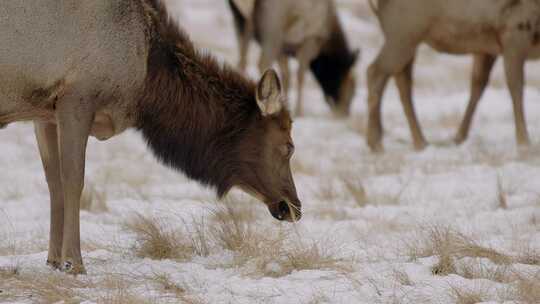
[(446, 225)]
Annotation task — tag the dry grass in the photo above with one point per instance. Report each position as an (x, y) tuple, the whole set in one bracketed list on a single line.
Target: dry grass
[(173, 290), (269, 253), (528, 289), (475, 269), (502, 201), (402, 277), (155, 240), (449, 245), (356, 190), (327, 191), (358, 193), (167, 285), (466, 295), (528, 255), (116, 290), (44, 288)]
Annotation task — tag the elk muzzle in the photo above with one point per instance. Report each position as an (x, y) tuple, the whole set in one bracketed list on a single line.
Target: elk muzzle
[(286, 211)]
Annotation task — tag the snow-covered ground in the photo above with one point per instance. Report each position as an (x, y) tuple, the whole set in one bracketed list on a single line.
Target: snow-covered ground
[(446, 225)]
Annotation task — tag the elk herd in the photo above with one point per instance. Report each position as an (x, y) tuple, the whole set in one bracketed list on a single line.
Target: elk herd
[(96, 68), (311, 32)]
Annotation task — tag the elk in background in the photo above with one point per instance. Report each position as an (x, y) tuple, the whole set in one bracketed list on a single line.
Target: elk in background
[(308, 30), (484, 28)]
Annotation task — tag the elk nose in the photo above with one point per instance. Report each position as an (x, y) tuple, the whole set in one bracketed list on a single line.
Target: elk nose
[(284, 211)]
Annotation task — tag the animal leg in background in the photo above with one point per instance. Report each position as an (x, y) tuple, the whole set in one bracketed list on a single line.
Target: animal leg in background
[(285, 72), (244, 37), (47, 139), (404, 82), (75, 117), (482, 66), (514, 66), (307, 52)]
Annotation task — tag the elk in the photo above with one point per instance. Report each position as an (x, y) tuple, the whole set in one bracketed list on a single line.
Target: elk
[(483, 28), (308, 30), (124, 64)]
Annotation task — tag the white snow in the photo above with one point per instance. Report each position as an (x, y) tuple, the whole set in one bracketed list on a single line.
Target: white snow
[(407, 191)]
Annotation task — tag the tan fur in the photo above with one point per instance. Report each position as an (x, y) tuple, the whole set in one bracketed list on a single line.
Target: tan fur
[(123, 64), (303, 29), (485, 28)]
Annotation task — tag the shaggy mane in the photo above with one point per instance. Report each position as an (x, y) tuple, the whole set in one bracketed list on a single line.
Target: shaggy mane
[(194, 111)]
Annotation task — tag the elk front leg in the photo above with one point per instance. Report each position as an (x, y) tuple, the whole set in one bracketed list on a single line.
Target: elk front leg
[(393, 59), (514, 65), (307, 52), (285, 72), (74, 124), (244, 37), (377, 80), (482, 66), (404, 82), (48, 148)]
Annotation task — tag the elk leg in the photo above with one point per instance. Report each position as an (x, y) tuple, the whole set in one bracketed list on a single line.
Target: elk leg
[(391, 60), (244, 37), (285, 72), (514, 65), (404, 83), (482, 66), (307, 52), (377, 81), (74, 123), (48, 148)]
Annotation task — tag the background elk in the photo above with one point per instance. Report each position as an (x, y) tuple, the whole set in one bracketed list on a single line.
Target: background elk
[(308, 30), (486, 29), (123, 64)]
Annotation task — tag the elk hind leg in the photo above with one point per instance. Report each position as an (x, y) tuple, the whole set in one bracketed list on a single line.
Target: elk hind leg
[(482, 66), (404, 82)]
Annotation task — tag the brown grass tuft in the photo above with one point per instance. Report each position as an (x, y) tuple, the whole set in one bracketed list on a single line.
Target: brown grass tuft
[(45, 288), (502, 201), (449, 245), (269, 253), (356, 190), (155, 240), (528, 256), (464, 295), (528, 289), (475, 269), (402, 277)]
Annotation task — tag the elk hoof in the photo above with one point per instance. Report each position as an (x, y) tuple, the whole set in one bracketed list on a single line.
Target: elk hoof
[(54, 264), (420, 146), (376, 148), (459, 139), (524, 142), (73, 268)]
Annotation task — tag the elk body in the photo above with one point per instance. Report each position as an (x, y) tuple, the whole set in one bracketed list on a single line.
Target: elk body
[(483, 28), (79, 68), (308, 30)]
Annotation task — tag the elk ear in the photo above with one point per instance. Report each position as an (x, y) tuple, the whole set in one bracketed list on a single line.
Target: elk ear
[(268, 93)]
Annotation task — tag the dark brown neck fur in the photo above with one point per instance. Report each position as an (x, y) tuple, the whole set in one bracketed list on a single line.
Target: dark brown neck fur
[(194, 112)]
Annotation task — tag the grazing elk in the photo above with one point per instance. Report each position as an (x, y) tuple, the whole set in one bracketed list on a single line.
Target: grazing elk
[(484, 28), (123, 64), (309, 30)]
